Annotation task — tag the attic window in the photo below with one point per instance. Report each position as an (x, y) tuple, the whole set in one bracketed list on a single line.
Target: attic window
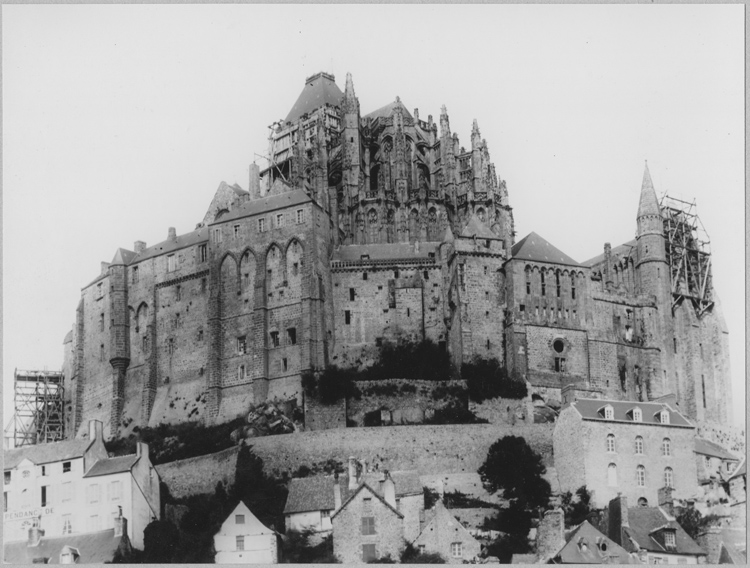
[(609, 413), (637, 415), (364, 257), (664, 417), (239, 519), (669, 539), (66, 467)]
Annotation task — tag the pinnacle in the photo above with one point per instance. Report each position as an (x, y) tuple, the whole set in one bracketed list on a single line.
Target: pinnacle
[(648, 204), (349, 89)]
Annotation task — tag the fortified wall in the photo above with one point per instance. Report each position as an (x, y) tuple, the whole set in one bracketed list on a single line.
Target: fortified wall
[(427, 449)]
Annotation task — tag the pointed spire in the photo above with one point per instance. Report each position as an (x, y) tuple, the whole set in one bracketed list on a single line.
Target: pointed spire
[(445, 127), (349, 89), (648, 204)]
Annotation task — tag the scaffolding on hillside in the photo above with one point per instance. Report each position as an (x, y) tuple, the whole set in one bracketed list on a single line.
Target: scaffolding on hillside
[(688, 251), (39, 408)]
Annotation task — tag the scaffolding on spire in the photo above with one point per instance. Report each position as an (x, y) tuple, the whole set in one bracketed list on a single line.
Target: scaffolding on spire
[(688, 250), (39, 408)]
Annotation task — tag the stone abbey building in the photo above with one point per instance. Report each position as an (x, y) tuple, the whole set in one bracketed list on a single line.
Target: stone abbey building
[(372, 228)]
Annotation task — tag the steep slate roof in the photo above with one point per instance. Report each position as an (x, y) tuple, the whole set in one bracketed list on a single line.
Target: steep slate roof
[(361, 487), (164, 247), (393, 251), (648, 204), (123, 256), (388, 109), (319, 89), (94, 548), (475, 228), (625, 249), (585, 533), (644, 524), (112, 465), (589, 409), (46, 453), (316, 493), (533, 247), (68, 337), (265, 205), (709, 448)]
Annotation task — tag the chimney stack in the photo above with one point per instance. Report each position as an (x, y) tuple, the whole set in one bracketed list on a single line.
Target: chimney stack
[(336, 492), (121, 524), (362, 471), (352, 473), (35, 532), (254, 186), (618, 517), (139, 246), (172, 234), (141, 449), (389, 489), (665, 500), (95, 430), (550, 536)]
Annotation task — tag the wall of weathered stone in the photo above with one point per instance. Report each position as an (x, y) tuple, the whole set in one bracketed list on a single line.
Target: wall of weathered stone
[(427, 449), (405, 399), (504, 410)]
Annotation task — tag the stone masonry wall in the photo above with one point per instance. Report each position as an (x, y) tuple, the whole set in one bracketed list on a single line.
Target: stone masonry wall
[(427, 449)]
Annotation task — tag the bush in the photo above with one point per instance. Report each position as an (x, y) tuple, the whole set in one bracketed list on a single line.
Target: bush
[(487, 378), (330, 385), (577, 507), (296, 549), (418, 361), (170, 442)]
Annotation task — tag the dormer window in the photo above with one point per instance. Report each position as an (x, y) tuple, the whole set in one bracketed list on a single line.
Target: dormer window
[(609, 412), (582, 546), (670, 541), (637, 415), (601, 543), (663, 416)]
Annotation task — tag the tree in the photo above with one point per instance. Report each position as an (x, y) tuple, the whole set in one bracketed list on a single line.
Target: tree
[(411, 555), (693, 522), (160, 540), (577, 506), (515, 469)]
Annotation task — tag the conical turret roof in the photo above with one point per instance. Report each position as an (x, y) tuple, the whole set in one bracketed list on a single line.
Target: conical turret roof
[(648, 204)]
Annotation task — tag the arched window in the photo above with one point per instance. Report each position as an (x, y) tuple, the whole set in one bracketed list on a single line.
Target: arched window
[(390, 226), (573, 286), (544, 285), (372, 222), (640, 476), (639, 445), (612, 475), (413, 226), (666, 447), (432, 225), (557, 282), (668, 477), (610, 443), (481, 214), (528, 280)]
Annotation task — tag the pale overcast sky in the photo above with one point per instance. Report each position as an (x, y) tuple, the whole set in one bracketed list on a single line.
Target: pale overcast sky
[(121, 121)]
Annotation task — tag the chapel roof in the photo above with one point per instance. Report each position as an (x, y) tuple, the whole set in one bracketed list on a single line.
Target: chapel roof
[(535, 248)]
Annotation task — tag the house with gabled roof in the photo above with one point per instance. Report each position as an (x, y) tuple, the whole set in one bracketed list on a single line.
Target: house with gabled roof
[(312, 500), (652, 533), (713, 460), (445, 535), (368, 526), (243, 539), (632, 448)]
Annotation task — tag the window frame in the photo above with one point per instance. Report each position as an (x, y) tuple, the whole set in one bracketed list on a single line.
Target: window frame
[(239, 542), (457, 550), (367, 527), (640, 476), (611, 445), (639, 445)]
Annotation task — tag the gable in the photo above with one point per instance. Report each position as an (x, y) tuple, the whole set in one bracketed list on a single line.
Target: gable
[(535, 248), (250, 526)]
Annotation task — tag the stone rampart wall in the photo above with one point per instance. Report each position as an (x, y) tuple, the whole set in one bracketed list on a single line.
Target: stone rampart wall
[(427, 449)]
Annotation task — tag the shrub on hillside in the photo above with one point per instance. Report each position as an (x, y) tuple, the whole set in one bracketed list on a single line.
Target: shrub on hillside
[(329, 385), (418, 361), (454, 414), (170, 442), (487, 378)]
